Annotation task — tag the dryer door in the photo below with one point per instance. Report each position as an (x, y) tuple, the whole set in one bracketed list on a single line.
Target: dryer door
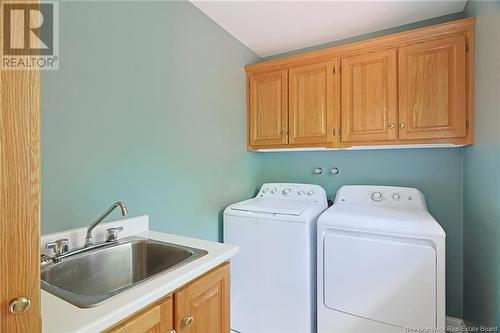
[(383, 278)]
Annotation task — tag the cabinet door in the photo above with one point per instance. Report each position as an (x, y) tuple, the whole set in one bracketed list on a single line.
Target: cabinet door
[(156, 318), (432, 101), (203, 305), (369, 97), (268, 108), (312, 103)]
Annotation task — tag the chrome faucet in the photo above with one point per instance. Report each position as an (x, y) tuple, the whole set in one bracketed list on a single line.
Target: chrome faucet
[(89, 240), (59, 247)]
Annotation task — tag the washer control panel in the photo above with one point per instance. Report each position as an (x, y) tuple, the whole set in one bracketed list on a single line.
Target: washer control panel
[(292, 191), (380, 195)]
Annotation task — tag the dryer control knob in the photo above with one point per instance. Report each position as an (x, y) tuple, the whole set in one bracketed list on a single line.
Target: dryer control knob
[(301, 192), (286, 191), (377, 196), (265, 190), (273, 190), (396, 196), (310, 193)]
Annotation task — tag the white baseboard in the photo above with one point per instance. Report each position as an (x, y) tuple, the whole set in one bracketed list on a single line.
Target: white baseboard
[(455, 325)]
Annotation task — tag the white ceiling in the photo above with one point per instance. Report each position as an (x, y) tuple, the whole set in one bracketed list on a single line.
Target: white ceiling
[(272, 27)]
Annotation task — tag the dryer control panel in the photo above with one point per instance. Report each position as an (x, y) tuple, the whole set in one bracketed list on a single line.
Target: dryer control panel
[(292, 191), (380, 195)]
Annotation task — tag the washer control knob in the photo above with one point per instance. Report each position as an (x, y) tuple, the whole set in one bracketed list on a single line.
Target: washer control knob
[(396, 196), (301, 192), (310, 193), (286, 191), (265, 190), (377, 196), (273, 191)]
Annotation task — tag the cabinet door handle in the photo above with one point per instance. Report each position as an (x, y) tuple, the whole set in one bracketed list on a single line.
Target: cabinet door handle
[(392, 125), (171, 331), (283, 133), (188, 321), (402, 125)]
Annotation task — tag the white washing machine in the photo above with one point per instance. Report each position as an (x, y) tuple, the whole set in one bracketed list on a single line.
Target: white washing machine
[(273, 277), (381, 263)]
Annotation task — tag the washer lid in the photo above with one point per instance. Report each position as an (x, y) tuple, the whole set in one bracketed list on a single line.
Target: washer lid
[(396, 220), (273, 206)]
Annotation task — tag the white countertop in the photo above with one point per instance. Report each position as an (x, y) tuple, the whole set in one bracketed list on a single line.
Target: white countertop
[(61, 316)]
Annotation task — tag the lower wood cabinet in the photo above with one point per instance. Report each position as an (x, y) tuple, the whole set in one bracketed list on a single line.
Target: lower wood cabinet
[(200, 306), (156, 318), (203, 305)]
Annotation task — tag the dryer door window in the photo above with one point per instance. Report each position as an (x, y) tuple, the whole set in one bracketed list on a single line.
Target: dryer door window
[(388, 279)]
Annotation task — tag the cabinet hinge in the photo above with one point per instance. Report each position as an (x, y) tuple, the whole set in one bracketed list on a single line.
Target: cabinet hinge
[(466, 47), (467, 124)]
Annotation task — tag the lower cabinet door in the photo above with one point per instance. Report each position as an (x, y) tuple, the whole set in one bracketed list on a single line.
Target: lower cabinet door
[(203, 305), (156, 318)]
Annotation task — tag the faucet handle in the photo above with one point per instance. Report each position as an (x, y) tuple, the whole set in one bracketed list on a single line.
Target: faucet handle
[(60, 246), (113, 233)]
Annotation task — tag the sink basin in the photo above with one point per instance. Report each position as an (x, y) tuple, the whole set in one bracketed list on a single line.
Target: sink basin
[(89, 278)]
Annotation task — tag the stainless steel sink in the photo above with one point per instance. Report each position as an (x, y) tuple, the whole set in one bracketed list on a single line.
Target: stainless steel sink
[(89, 278)]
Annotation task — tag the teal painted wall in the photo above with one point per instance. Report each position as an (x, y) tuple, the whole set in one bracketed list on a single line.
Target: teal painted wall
[(148, 107), (481, 178)]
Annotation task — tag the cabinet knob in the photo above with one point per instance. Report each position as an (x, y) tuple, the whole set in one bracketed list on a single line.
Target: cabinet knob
[(392, 125), (171, 331), (283, 132), (188, 321), (402, 125), (19, 305)]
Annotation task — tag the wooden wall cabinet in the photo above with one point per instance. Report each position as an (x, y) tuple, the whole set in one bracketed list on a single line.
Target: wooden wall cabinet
[(311, 103), (293, 107), (369, 97), (432, 89), (268, 115), (200, 306), (413, 87)]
